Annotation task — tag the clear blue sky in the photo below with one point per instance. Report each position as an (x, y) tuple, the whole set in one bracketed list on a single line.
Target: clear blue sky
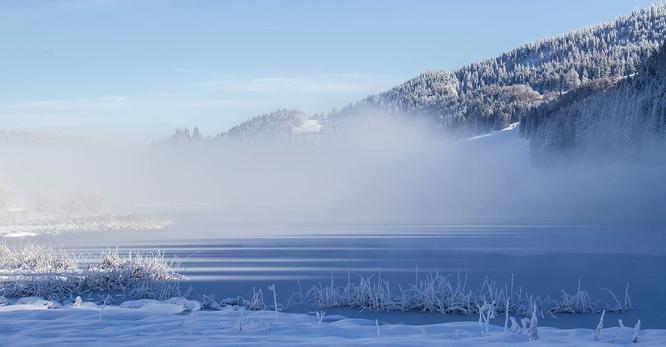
[(142, 68)]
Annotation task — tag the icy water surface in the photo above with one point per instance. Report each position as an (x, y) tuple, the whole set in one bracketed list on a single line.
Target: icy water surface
[(544, 256)]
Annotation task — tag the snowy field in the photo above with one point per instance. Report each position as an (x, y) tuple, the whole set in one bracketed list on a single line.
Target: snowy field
[(34, 322)]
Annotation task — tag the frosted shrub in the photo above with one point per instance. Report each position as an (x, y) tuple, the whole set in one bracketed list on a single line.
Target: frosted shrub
[(133, 272), (33, 270), (579, 302), (34, 258)]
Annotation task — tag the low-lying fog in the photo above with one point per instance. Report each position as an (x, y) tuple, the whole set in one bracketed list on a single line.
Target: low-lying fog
[(380, 169)]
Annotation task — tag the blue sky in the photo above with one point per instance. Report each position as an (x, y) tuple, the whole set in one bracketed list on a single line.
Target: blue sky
[(142, 68)]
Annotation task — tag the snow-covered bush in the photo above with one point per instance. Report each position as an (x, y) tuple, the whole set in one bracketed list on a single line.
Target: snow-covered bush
[(132, 271), (33, 270), (33, 258)]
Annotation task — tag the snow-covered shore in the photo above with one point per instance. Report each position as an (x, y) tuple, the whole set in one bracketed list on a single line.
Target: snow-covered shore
[(35, 322)]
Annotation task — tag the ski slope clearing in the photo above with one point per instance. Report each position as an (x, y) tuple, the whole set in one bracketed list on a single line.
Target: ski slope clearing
[(177, 321), (511, 130)]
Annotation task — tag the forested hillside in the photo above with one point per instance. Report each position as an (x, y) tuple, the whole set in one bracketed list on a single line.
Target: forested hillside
[(625, 116)]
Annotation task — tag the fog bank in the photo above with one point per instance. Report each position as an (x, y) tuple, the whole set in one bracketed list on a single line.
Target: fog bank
[(382, 168)]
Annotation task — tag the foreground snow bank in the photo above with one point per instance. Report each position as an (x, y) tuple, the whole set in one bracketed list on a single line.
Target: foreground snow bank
[(32, 321)]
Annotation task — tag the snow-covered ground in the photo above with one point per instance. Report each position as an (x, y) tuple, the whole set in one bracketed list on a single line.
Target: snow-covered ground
[(38, 225), (310, 126), (36, 322)]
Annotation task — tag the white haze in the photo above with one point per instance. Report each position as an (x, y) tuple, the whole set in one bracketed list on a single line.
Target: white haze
[(379, 169)]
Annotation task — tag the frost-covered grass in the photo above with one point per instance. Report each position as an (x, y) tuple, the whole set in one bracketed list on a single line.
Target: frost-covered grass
[(35, 258), (450, 294), (34, 270)]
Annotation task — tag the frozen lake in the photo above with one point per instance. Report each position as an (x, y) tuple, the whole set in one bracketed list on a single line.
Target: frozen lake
[(544, 256)]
